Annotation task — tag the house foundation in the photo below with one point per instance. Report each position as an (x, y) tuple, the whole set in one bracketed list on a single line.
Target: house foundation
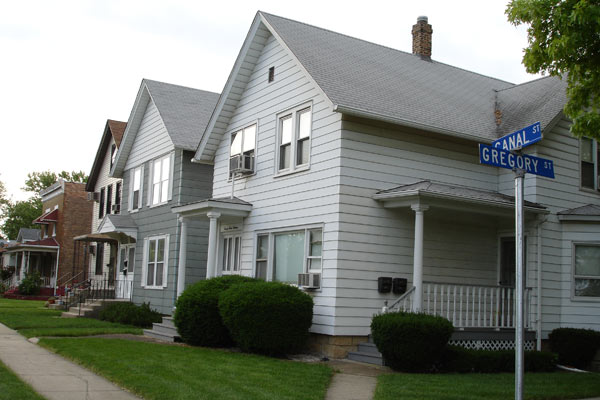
[(334, 346)]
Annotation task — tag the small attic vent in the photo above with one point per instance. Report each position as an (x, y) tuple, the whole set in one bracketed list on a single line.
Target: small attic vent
[(271, 74)]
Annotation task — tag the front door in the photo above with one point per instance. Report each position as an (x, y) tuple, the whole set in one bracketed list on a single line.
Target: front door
[(126, 271)]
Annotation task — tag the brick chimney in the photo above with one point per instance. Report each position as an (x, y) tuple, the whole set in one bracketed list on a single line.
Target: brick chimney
[(421, 32)]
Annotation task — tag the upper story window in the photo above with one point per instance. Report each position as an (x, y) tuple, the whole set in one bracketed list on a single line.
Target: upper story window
[(590, 164), (293, 138), (109, 203), (113, 154), (242, 150), (161, 175), (586, 272), (101, 205), (118, 191), (136, 188)]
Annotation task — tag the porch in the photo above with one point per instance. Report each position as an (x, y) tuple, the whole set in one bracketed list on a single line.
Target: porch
[(39, 256)]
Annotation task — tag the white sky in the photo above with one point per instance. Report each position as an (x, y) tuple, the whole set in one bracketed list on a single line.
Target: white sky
[(67, 66)]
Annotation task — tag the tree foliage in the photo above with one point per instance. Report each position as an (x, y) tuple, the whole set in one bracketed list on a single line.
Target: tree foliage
[(38, 181), (564, 40), (19, 214)]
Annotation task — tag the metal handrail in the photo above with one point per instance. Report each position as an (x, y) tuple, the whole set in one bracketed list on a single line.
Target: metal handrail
[(399, 299)]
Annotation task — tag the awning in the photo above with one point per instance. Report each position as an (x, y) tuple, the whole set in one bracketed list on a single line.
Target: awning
[(227, 206), (587, 213), (120, 227), (97, 237), (50, 216), (451, 196)]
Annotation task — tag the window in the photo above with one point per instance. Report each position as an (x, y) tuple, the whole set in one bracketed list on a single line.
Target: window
[(271, 74), (127, 259), (160, 180), (292, 253), (108, 199), (113, 154), (294, 139), (156, 262), (99, 258), (587, 270), (231, 254), (101, 206), (241, 152), (136, 184), (590, 164), (118, 191)]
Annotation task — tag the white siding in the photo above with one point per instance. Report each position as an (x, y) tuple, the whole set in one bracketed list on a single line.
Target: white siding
[(151, 140), (313, 193)]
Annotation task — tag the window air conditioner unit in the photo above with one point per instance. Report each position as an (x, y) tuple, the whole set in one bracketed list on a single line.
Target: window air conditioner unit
[(95, 196), (115, 208), (241, 163), (309, 281)]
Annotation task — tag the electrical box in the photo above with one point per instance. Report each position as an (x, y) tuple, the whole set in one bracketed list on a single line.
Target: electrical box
[(399, 285), (384, 284)]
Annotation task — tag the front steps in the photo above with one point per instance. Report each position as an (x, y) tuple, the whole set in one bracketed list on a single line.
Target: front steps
[(165, 331), (367, 353), (89, 309)]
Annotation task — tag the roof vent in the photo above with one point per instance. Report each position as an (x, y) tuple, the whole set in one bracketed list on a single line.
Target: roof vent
[(421, 32)]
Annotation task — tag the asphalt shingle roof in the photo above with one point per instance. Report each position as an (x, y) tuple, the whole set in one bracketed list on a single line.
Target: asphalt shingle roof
[(587, 210), (184, 111)]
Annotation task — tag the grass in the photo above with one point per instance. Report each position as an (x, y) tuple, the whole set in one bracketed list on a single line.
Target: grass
[(156, 371), (32, 319), (557, 385), (11, 387)]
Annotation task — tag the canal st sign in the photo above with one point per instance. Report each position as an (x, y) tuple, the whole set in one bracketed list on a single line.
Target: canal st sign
[(519, 139), (505, 159)]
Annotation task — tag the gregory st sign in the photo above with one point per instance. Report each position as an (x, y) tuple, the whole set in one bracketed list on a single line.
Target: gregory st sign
[(505, 159)]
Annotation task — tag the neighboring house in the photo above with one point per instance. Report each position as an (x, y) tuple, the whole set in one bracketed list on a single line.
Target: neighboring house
[(353, 162), (154, 161), (15, 254), (106, 193)]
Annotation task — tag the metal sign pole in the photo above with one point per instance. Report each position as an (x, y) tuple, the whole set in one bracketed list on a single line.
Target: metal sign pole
[(519, 241)]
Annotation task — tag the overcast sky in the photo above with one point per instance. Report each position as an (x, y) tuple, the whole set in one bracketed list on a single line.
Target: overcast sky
[(67, 66)]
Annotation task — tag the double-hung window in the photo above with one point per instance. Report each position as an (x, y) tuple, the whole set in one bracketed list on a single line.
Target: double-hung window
[(101, 205), (136, 188), (156, 262), (293, 138), (108, 199), (292, 253), (586, 274), (242, 150), (590, 164), (231, 254), (160, 180)]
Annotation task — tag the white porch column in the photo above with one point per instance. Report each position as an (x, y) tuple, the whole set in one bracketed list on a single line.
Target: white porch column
[(181, 265), (23, 266), (419, 209), (213, 236)]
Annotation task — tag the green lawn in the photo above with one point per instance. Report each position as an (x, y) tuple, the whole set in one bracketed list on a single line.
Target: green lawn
[(11, 387), (557, 385), (156, 371), (32, 319)]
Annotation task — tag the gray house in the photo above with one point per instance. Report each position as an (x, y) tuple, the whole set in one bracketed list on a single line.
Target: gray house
[(154, 161), (338, 162)]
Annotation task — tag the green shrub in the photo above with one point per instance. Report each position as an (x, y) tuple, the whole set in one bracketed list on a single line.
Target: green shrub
[(267, 317), (575, 347), (5, 274), (31, 284), (130, 314), (197, 315), (411, 342), (459, 359)]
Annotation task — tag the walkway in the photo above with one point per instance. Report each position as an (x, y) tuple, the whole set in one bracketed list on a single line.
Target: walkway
[(354, 381), (51, 375)]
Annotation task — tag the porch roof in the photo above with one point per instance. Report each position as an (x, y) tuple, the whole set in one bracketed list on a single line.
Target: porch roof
[(228, 206), (589, 212), (97, 237), (439, 193), (50, 216), (43, 245), (120, 227)]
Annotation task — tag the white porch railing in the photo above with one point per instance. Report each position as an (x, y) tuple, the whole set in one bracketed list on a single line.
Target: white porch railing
[(469, 306), (46, 281)]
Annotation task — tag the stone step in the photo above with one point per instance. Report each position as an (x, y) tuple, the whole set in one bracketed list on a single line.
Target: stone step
[(368, 358), (165, 337), (68, 314), (166, 329), (168, 321), (367, 347)]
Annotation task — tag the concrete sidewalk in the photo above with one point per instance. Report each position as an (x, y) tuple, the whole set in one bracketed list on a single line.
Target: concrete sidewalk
[(353, 380), (51, 375)]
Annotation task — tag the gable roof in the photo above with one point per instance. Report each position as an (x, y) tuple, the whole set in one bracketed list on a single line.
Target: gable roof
[(184, 111), (373, 81), (28, 234), (112, 129)]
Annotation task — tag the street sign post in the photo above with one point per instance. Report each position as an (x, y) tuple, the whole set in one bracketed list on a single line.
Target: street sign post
[(506, 153)]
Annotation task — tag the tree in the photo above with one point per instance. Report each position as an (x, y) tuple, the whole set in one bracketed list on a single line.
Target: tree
[(38, 181), (18, 215), (564, 40)]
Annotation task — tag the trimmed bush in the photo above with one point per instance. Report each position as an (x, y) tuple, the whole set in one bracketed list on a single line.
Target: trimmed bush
[(130, 314), (197, 315), (575, 347), (411, 342), (459, 359), (31, 284), (267, 317)]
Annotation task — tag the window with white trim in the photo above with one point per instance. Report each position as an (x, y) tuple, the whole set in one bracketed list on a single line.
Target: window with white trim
[(156, 262), (242, 149), (292, 253), (293, 139), (590, 164), (127, 258), (231, 254), (160, 180), (586, 274), (135, 194)]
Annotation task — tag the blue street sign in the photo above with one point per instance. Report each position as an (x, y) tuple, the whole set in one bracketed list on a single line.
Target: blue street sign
[(505, 159), (519, 139)]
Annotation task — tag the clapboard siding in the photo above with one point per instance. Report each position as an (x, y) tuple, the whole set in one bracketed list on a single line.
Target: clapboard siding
[(151, 140)]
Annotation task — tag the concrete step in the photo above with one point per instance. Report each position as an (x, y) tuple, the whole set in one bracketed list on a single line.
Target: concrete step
[(165, 337), (68, 314), (368, 358), (162, 328), (367, 347), (168, 321)]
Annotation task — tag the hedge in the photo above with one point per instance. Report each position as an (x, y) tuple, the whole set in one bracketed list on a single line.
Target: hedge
[(130, 314), (575, 347), (459, 359)]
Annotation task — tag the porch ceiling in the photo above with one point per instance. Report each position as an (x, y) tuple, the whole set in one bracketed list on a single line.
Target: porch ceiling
[(231, 207), (452, 197)]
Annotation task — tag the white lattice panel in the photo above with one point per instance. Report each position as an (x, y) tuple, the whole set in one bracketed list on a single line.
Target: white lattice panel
[(491, 344)]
